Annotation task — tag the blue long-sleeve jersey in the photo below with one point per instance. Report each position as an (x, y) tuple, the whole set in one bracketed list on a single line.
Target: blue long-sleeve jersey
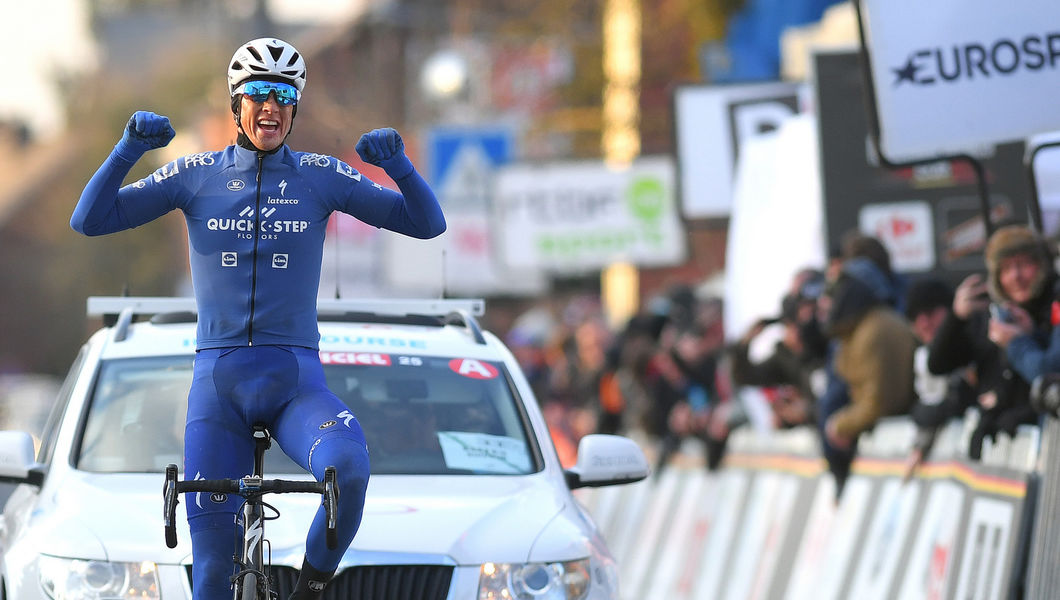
[(256, 225)]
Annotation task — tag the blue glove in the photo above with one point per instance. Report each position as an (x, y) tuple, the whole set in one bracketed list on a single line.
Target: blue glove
[(384, 148), (145, 131)]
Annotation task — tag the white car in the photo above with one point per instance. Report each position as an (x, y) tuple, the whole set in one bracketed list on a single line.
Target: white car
[(467, 498)]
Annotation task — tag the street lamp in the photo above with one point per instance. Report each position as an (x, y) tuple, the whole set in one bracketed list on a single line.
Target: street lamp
[(444, 76)]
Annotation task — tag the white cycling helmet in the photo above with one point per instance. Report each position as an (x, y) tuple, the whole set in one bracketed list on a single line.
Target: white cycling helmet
[(266, 58)]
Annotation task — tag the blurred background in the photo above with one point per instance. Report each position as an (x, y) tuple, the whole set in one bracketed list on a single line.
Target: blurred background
[(636, 187), (471, 84), (526, 75)]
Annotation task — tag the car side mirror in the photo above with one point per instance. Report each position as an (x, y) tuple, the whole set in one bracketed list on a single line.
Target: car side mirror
[(17, 461), (607, 460)]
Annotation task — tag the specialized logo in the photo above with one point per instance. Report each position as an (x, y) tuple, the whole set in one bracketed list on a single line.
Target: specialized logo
[(327, 424), (975, 60), (316, 586), (281, 199), (279, 261), (315, 160), (347, 170), (254, 534), (165, 172), (198, 495), (236, 184), (346, 417), (229, 259)]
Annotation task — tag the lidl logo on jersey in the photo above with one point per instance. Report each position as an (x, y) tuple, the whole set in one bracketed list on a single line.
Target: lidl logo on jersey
[(229, 259)]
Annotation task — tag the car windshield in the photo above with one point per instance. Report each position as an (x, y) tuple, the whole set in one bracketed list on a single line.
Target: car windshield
[(420, 415)]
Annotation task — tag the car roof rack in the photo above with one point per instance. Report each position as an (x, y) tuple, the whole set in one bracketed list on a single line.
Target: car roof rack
[(120, 311)]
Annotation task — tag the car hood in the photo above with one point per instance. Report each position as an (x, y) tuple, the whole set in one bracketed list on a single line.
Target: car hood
[(468, 520)]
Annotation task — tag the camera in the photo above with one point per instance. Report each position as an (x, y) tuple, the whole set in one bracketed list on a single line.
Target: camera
[(1045, 394), (1000, 313)]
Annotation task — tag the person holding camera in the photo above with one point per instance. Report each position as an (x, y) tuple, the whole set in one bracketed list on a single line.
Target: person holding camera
[(1019, 282), (790, 369)]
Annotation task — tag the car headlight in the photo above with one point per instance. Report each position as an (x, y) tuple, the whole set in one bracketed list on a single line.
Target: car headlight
[(534, 581), (74, 579)]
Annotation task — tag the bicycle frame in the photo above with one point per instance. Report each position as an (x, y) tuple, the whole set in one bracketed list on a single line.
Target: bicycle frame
[(252, 576), (251, 582)]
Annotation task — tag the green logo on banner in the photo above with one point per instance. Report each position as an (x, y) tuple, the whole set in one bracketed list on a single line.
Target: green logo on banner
[(647, 198)]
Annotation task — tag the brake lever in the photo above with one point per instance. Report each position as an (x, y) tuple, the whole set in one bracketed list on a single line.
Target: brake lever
[(169, 509)]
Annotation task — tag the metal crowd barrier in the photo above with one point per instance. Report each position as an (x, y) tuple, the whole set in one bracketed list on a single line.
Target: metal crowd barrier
[(1043, 564), (767, 525)]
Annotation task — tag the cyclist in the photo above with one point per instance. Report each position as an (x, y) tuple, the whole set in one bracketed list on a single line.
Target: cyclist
[(256, 214)]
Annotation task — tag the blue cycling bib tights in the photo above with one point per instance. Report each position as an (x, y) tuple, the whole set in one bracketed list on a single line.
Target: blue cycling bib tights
[(256, 224)]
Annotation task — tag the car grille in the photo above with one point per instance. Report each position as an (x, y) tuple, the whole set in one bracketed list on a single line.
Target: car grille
[(376, 582)]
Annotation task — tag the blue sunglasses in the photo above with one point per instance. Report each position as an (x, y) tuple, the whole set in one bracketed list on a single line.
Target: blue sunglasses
[(258, 91)]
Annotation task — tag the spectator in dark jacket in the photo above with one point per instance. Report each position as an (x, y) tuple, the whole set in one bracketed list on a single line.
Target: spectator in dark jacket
[(1020, 278), (790, 368), (939, 397)]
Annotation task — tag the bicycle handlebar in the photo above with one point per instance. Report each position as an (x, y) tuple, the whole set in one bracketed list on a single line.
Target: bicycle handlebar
[(247, 487)]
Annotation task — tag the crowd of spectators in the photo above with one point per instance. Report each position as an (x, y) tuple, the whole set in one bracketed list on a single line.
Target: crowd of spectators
[(852, 341)]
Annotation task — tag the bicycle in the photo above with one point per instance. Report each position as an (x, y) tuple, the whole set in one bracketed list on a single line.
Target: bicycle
[(250, 581)]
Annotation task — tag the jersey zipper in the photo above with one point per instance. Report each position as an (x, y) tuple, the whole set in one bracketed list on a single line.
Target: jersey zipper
[(254, 255)]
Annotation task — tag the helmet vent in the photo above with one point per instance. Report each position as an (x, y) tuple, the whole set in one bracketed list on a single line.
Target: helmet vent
[(268, 58)]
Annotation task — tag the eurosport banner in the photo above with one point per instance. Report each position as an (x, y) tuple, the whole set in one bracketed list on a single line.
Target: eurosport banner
[(928, 216), (710, 124), (578, 217), (950, 76)]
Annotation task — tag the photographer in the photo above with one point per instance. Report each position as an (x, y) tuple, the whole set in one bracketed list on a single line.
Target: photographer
[(795, 359), (1020, 279)]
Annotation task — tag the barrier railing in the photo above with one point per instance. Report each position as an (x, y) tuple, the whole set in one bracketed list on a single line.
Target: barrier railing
[(766, 526), (1043, 563)]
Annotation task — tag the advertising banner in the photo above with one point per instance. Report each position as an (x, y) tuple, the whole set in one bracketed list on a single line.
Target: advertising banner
[(583, 216), (951, 76), (929, 217), (710, 123), (460, 168)]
